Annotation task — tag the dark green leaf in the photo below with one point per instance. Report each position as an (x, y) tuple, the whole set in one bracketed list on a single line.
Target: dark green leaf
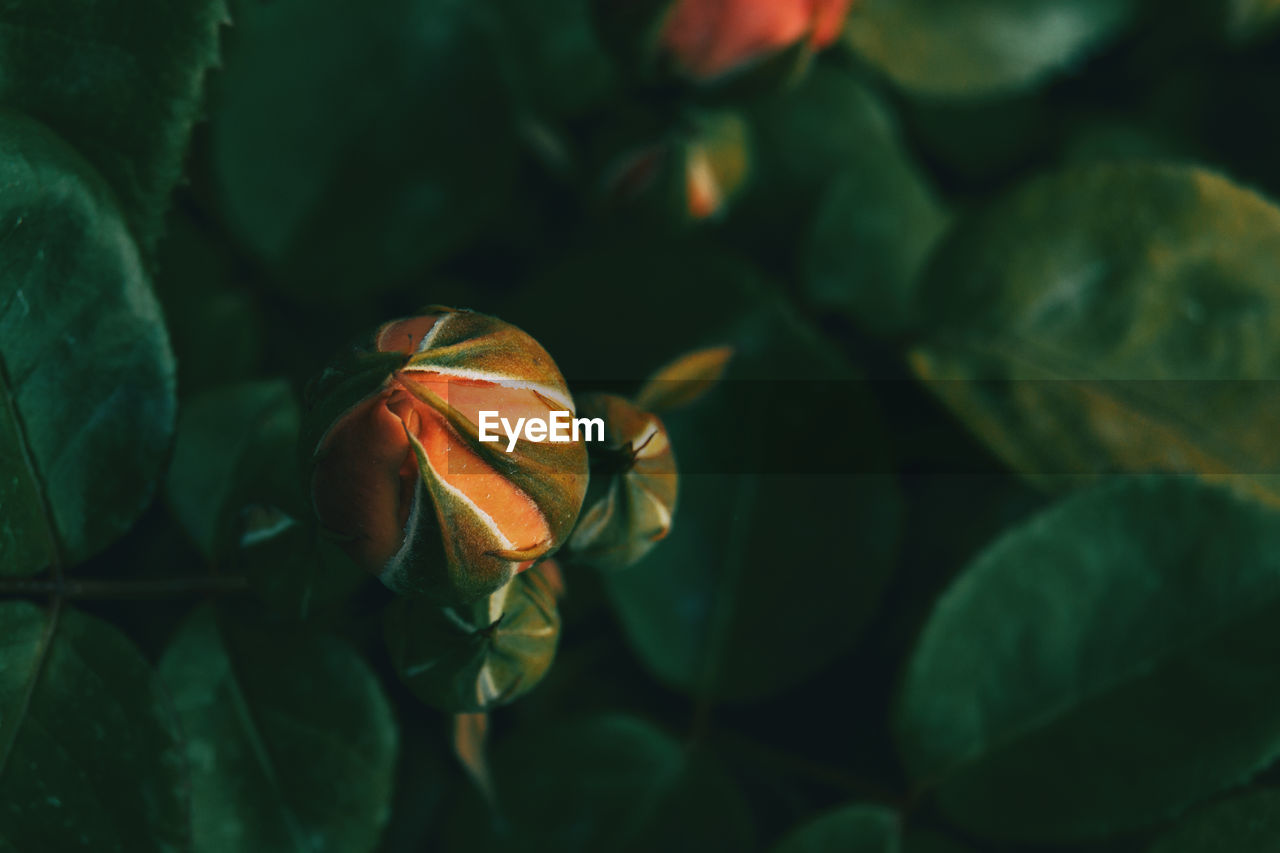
[(1113, 317), (122, 81), (555, 60), (877, 221), (1252, 19), (851, 829), (86, 374), (605, 783), (235, 453), (1246, 822), (90, 755), (781, 539), (975, 47), (1102, 666), (355, 144), (291, 741), (233, 486), (802, 140), (215, 320)]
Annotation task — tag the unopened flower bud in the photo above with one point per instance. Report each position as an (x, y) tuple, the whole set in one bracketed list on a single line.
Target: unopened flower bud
[(634, 483), (709, 38), (400, 477), (693, 174), (716, 164), (476, 657)]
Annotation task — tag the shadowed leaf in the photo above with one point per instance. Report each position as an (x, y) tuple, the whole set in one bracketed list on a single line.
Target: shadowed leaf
[(976, 47), (1114, 317), (1102, 666), (605, 783), (291, 742), (86, 373), (783, 536), (90, 756), (122, 81), (851, 829), (396, 110)]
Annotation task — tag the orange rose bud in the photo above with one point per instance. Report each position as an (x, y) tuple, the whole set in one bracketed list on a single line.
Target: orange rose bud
[(634, 484), (399, 475), (709, 38), (716, 162), (691, 175)]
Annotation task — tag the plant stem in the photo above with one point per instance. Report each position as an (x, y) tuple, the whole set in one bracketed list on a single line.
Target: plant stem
[(123, 589)]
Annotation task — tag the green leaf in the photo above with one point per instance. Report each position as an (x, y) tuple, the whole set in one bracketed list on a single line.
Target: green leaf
[(555, 62), (876, 223), (805, 138), (90, 753), (233, 485), (978, 47), (358, 143), (122, 81), (291, 742), (1113, 317), (236, 450), (851, 829), (1102, 666), (1245, 822), (605, 783), (782, 539), (216, 320), (1252, 19), (86, 374)]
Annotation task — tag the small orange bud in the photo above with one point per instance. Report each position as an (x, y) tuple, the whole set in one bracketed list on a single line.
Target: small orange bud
[(692, 174), (709, 38), (716, 163), (400, 477), (634, 485)]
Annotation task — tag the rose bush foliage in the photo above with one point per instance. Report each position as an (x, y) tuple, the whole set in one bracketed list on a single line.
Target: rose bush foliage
[(934, 348)]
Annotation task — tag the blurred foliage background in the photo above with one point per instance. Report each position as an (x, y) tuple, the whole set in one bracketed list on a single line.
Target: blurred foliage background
[(976, 546)]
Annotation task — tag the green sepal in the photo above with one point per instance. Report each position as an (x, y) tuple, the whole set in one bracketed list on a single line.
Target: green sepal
[(475, 658)]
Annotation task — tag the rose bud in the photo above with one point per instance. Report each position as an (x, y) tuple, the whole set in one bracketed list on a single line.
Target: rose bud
[(691, 175), (633, 486), (399, 476), (476, 657), (709, 38), (716, 164)]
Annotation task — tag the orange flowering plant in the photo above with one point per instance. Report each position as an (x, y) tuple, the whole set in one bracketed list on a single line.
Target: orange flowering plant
[(949, 522), (709, 38)]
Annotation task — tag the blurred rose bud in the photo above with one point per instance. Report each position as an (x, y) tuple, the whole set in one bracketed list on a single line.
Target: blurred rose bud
[(399, 477), (633, 486), (476, 657), (709, 38), (715, 164), (692, 175)]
